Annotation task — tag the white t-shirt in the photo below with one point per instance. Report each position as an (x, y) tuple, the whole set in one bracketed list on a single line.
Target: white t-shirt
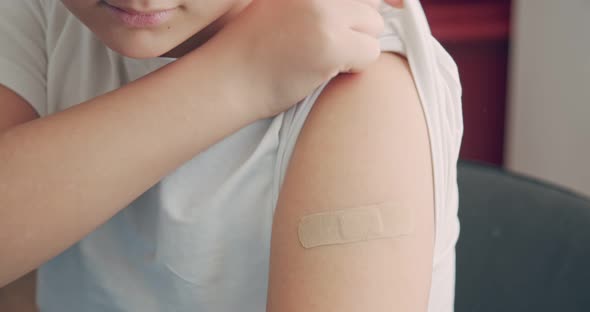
[(199, 240)]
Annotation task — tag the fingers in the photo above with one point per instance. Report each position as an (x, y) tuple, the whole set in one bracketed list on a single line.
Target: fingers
[(395, 3), (367, 50), (364, 18), (371, 3), (375, 3), (365, 24)]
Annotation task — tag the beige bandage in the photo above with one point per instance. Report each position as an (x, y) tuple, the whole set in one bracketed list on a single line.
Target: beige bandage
[(385, 220)]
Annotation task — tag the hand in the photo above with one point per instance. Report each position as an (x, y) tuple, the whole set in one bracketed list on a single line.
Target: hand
[(395, 3), (290, 47)]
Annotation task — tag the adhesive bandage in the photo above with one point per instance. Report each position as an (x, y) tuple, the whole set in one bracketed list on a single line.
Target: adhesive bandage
[(378, 221)]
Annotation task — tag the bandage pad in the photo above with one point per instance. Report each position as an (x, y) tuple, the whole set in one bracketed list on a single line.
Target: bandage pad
[(379, 221)]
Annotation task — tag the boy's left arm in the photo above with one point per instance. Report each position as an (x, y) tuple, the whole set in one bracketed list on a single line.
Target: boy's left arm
[(364, 142)]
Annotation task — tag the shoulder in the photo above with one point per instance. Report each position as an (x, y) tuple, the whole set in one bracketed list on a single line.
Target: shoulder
[(376, 112), (364, 142), (388, 80)]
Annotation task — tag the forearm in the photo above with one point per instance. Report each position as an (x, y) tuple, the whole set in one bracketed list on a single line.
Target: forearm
[(64, 175)]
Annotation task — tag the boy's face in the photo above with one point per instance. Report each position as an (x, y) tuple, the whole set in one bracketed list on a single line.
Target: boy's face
[(151, 28)]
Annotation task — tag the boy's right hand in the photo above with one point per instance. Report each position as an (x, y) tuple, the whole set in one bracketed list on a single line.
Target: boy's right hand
[(290, 47)]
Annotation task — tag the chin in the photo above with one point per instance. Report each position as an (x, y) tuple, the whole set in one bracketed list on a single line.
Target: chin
[(140, 51), (140, 48)]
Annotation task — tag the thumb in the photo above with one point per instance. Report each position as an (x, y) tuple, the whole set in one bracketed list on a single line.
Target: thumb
[(395, 3)]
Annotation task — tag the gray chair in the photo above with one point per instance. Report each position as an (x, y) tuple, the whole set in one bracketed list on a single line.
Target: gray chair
[(524, 244)]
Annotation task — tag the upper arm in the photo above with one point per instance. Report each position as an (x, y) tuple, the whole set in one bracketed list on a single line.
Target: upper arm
[(22, 74), (23, 61), (365, 141), (14, 109)]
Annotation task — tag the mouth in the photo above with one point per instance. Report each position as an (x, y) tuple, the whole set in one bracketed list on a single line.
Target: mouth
[(139, 18)]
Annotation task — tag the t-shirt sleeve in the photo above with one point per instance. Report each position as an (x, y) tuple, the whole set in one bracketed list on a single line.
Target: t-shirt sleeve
[(23, 57), (294, 119)]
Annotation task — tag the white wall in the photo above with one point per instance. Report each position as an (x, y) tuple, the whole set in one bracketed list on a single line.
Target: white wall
[(548, 134)]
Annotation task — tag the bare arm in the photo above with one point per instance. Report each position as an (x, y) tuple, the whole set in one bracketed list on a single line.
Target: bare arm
[(364, 142), (20, 294), (64, 175)]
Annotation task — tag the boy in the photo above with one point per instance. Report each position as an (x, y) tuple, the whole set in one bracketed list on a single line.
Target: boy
[(160, 155)]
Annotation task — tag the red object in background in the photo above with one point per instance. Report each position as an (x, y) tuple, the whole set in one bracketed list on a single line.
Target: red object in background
[(476, 34)]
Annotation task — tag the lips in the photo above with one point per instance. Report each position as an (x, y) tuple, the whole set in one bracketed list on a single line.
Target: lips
[(139, 19), (135, 11)]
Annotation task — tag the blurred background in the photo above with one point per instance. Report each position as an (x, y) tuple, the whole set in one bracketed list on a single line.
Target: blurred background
[(525, 70)]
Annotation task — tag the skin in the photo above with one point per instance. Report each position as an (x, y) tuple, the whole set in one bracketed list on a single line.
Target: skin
[(365, 141), (194, 23), (116, 128)]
